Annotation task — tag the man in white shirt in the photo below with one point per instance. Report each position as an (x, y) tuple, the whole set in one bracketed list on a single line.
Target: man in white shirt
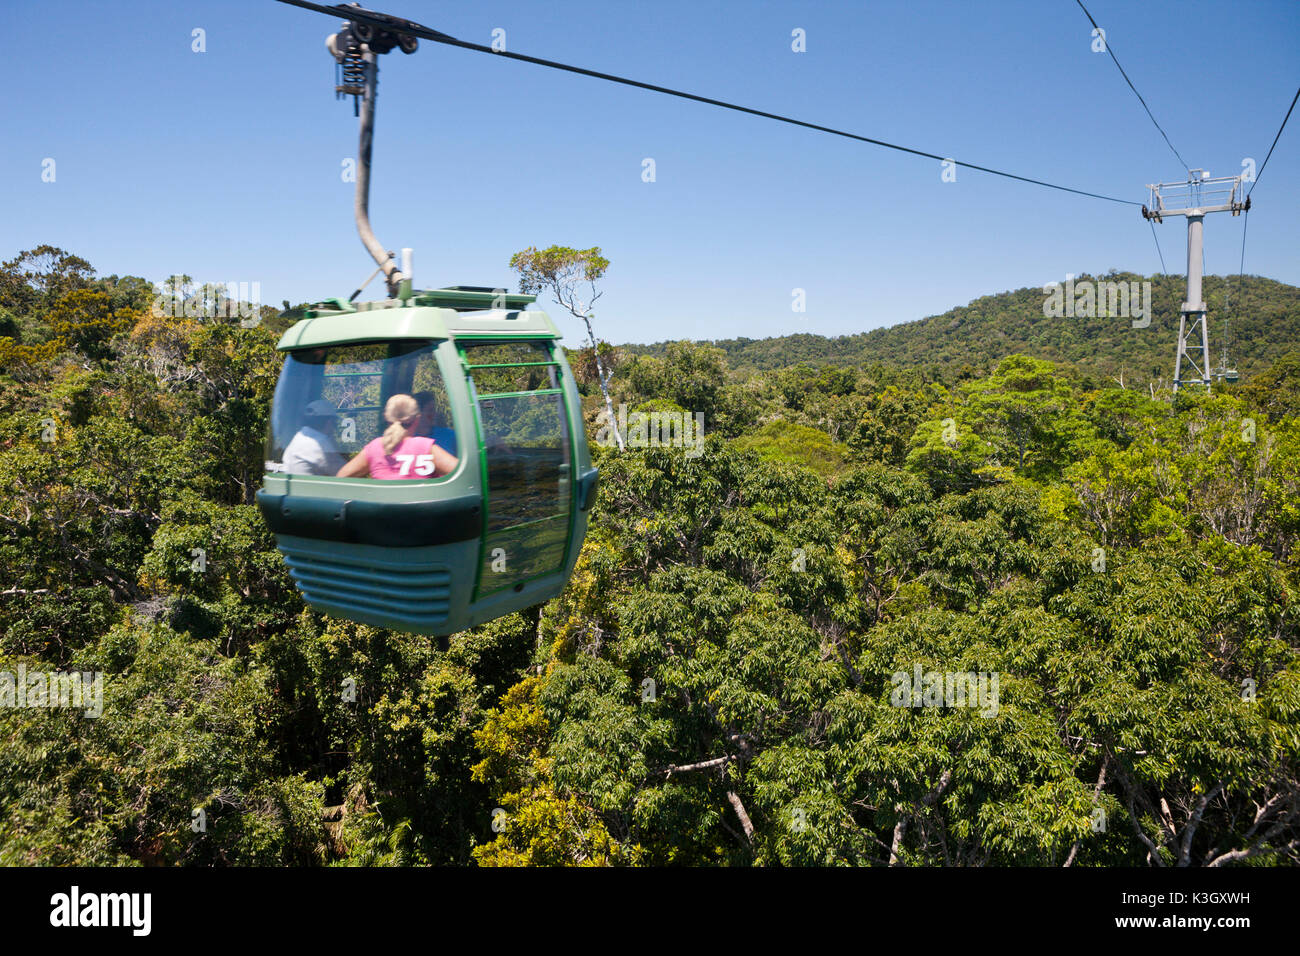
[(312, 451)]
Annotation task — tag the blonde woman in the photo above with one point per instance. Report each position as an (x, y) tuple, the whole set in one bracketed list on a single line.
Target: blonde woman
[(399, 452)]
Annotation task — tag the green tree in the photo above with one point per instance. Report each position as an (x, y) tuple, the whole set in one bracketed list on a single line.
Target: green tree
[(563, 271)]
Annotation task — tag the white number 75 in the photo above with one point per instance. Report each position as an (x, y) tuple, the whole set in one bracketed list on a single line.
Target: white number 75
[(423, 464)]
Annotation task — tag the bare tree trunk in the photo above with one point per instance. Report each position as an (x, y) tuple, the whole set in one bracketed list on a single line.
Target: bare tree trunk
[(1193, 822), (1096, 791), (604, 382), (740, 812), (900, 828), (927, 802)]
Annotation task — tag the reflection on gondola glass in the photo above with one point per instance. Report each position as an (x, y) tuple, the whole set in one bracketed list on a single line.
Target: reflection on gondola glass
[(498, 367), (527, 457)]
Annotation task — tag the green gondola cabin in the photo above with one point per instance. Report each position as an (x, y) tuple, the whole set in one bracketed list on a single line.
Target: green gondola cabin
[(430, 554)]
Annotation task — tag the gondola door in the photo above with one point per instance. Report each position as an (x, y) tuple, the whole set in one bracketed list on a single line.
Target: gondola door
[(526, 457)]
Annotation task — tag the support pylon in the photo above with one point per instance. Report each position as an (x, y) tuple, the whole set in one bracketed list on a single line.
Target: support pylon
[(1198, 196)]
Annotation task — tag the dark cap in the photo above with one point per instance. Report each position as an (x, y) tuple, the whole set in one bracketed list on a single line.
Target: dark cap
[(321, 409)]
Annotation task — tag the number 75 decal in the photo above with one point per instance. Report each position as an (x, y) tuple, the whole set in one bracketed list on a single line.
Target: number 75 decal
[(423, 464)]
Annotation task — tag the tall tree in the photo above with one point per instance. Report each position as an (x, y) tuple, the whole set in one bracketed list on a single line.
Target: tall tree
[(39, 277), (563, 272)]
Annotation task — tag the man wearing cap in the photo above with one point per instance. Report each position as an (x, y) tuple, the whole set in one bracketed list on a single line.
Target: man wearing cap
[(312, 451)]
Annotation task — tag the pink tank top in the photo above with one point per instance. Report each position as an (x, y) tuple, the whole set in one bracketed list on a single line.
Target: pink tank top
[(412, 458)]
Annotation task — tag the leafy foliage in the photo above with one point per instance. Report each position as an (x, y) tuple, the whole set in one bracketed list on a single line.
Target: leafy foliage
[(720, 683)]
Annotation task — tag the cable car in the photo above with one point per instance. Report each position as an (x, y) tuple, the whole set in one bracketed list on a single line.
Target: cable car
[(487, 520), (430, 554)]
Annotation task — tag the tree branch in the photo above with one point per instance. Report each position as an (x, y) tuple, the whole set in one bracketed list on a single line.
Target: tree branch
[(740, 812), (702, 765), (1101, 782), (1194, 821)]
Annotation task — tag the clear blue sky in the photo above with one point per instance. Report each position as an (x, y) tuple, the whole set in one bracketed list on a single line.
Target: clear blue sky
[(226, 164)]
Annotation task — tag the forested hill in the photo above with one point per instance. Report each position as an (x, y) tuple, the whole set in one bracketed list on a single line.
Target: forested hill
[(1264, 314)]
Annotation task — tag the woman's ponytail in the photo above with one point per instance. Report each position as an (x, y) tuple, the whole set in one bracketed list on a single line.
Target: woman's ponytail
[(402, 411)]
